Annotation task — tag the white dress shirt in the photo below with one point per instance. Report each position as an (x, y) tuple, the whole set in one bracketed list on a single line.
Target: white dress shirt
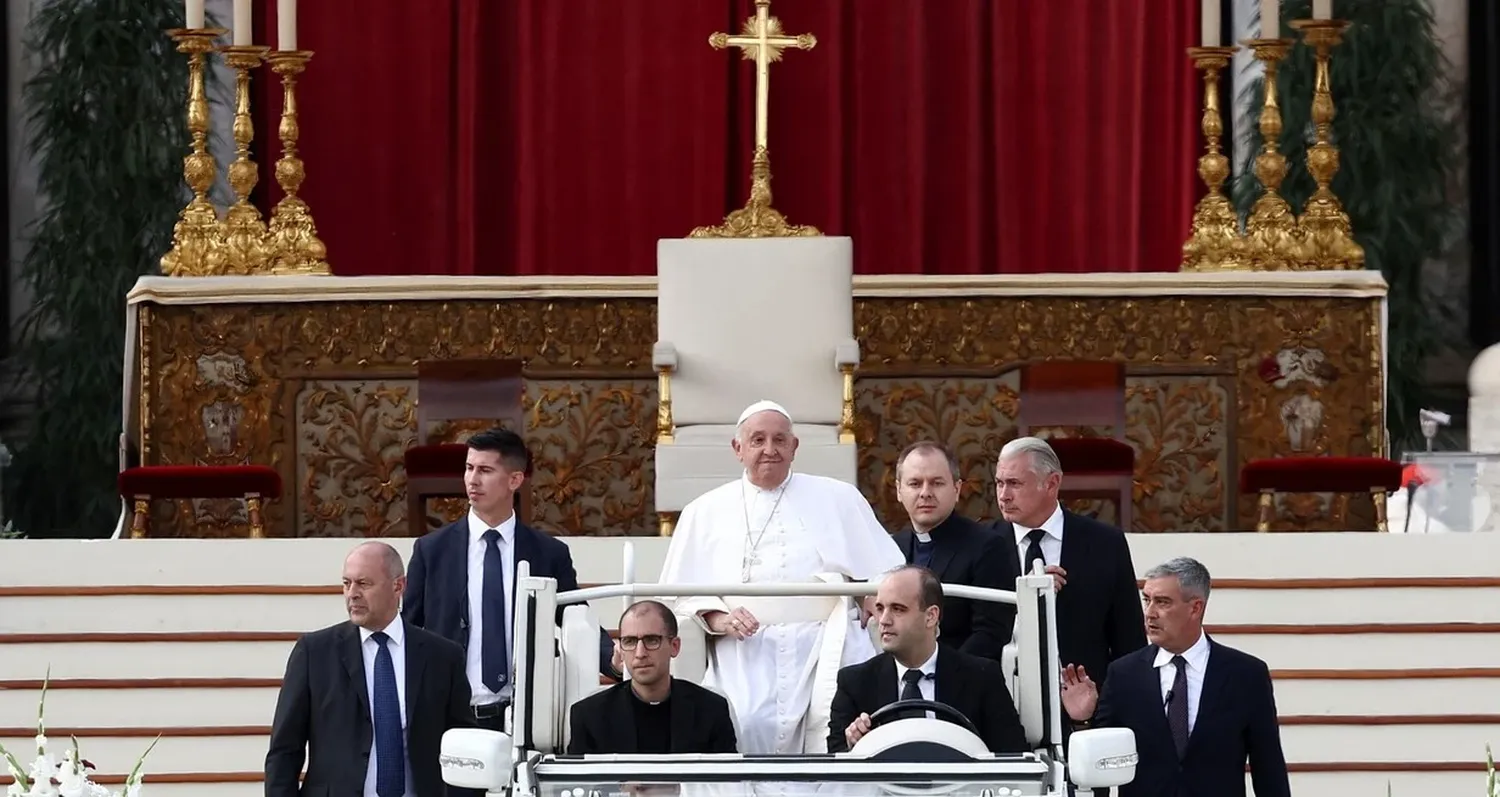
[(927, 686), (1051, 539), (474, 664), (368, 648), (1197, 663)]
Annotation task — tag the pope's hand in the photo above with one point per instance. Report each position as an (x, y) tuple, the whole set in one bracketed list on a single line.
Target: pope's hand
[(857, 729), (738, 623)]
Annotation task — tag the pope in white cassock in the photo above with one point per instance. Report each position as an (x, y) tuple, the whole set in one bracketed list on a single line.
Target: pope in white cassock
[(777, 659)]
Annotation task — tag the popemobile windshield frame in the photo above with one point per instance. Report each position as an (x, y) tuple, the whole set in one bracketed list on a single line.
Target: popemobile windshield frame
[(528, 762)]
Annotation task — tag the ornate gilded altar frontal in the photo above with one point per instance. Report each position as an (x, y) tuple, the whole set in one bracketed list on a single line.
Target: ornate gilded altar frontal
[(324, 391)]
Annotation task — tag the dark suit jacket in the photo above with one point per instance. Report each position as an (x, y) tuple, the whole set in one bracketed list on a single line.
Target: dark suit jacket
[(1236, 723), (1099, 617), (323, 714), (964, 552), (602, 722), (970, 684), (437, 580)]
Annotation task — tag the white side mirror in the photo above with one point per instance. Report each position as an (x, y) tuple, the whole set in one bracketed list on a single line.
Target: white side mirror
[(1101, 758), (475, 758)]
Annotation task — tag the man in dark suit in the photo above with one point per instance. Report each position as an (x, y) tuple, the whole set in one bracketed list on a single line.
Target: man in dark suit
[(957, 549), (463, 576), (1200, 710), (652, 712), (909, 606), (365, 703), (1098, 605)]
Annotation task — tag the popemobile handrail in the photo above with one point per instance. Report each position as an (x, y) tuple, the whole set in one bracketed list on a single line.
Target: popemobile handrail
[(778, 589)]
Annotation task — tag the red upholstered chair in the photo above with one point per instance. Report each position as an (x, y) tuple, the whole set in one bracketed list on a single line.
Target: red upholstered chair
[(458, 390), (1375, 475), (144, 484), (1061, 393)]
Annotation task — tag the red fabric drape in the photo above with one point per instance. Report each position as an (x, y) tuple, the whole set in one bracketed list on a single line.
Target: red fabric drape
[(544, 137)]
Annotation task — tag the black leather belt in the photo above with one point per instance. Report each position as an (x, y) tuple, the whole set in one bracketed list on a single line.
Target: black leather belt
[(491, 710)]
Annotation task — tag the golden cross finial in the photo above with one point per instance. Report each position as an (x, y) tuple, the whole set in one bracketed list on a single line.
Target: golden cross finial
[(761, 41)]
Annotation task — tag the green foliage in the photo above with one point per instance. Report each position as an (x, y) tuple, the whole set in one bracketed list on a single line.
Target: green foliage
[(1398, 147), (106, 112)]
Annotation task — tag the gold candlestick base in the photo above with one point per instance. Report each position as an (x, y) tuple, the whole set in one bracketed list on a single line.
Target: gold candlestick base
[(293, 240), (1215, 243), (244, 231), (197, 239), (1327, 238), (1272, 236)]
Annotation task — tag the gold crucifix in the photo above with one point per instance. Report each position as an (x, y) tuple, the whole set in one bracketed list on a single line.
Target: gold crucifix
[(761, 41)]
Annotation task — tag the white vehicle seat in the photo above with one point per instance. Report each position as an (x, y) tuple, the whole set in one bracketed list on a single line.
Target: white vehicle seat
[(538, 693), (691, 663), (579, 665), (1008, 657)]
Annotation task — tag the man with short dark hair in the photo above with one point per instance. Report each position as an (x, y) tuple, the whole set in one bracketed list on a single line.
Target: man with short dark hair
[(1219, 706), (652, 712), (463, 576), (957, 549), (908, 606)]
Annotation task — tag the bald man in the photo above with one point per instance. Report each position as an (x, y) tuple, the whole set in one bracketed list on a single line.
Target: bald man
[(365, 703), (777, 659)]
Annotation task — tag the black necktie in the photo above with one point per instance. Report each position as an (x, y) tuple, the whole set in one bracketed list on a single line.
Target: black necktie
[(1033, 551), (911, 690), (493, 652), (1177, 708)]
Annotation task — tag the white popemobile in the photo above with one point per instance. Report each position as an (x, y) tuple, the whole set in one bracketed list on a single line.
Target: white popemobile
[(555, 667)]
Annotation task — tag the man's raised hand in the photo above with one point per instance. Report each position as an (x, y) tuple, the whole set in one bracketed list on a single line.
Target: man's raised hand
[(1079, 694)]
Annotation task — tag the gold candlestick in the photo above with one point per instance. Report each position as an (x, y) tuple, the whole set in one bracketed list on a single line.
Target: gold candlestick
[(197, 241), (1271, 231), (1215, 243), (244, 231), (1327, 238), (294, 244)]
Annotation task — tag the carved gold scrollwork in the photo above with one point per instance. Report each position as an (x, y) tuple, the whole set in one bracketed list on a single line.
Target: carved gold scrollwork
[(323, 393)]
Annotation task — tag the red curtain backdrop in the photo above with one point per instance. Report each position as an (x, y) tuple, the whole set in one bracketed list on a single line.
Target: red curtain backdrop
[(546, 137)]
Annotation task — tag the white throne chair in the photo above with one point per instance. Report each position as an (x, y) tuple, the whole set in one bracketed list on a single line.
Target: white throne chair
[(745, 319)]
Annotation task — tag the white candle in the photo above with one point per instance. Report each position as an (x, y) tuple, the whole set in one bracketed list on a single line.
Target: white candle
[(1322, 9), (1211, 23), (244, 29), (286, 24), (194, 16), (1270, 19)]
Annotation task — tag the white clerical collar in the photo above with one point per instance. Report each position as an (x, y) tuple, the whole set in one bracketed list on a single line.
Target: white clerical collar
[(1196, 656), (745, 480), (1053, 527), (478, 527), (928, 668), (395, 630)]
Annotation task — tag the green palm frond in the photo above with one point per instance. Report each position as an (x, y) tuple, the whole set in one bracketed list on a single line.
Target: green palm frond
[(105, 112)]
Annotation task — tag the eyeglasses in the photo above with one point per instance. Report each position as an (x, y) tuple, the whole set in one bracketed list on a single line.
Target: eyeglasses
[(652, 641)]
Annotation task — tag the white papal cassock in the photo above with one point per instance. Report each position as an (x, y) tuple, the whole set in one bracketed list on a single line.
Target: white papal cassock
[(780, 682)]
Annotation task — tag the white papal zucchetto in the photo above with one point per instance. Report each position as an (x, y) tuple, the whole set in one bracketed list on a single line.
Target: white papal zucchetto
[(763, 406)]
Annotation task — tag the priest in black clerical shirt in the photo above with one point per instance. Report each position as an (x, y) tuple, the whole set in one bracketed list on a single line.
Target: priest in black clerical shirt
[(652, 712), (955, 548)]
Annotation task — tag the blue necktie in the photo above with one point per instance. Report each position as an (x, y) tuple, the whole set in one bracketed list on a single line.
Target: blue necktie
[(390, 748), (494, 657)]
